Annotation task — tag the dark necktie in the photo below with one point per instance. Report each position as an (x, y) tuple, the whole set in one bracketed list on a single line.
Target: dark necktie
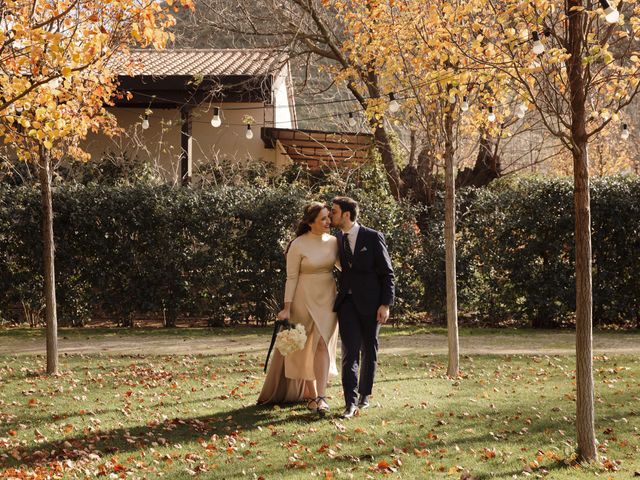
[(348, 253)]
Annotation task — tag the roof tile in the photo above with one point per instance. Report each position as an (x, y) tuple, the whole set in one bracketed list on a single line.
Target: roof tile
[(205, 62)]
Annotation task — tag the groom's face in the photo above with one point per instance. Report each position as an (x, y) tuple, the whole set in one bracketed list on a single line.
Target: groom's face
[(337, 216)]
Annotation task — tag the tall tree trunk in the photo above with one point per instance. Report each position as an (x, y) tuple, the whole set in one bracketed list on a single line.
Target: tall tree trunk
[(585, 427), (381, 138), (450, 250), (584, 301), (49, 267), (383, 145)]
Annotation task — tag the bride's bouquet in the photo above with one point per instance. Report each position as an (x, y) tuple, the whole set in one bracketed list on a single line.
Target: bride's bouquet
[(291, 340)]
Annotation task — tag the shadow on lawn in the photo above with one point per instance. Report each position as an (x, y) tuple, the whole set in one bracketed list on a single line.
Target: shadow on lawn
[(218, 428), (225, 429)]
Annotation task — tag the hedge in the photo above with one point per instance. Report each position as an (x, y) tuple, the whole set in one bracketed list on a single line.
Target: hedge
[(217, 253), (126, 251), (516, 252)]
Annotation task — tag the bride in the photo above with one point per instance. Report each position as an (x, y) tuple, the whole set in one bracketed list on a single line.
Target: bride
[(310, 293)]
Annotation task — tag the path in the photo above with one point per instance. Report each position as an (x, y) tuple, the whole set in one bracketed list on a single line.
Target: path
[(534, 343)]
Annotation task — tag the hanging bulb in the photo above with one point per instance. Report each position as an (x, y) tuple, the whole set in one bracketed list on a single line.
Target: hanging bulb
[(538, 47), (452, 99), (625, 131), (249, 133), (465, 104), (492, 116), (145, 122), (521, 111), (611, 13), (216, 121), (352, 120), (394, 106)]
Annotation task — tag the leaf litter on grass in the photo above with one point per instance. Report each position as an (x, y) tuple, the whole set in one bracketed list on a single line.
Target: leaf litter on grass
[(184, 416)]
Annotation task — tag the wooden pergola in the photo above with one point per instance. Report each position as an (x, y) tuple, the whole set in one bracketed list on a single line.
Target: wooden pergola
[(318, 149)]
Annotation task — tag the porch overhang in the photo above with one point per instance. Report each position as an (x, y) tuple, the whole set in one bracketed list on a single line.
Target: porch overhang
[(318, 149)]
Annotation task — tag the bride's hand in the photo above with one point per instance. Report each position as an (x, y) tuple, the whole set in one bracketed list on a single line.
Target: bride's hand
[(283, 314)]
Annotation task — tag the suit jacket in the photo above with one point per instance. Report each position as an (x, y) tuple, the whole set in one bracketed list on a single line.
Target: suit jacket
[(370, 277)]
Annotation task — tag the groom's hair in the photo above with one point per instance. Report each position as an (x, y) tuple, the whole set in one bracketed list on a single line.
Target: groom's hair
[(347, 204)]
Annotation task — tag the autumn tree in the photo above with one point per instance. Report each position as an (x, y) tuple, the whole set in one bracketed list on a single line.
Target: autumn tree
[(55, 84), (576, 64)]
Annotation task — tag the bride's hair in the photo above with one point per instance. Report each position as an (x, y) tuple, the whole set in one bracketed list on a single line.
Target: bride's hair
[(309, 215)]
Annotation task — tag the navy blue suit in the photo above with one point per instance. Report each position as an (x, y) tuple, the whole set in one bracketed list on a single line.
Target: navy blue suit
[(364, 285)]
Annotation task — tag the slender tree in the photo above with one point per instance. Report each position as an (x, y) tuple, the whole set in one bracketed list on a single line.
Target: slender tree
[(575, 63), (54, 85)]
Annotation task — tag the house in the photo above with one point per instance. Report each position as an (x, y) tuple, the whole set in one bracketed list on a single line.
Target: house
[(189, 108)]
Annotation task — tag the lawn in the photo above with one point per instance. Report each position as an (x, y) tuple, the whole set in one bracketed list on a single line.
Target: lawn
[(134, 416)]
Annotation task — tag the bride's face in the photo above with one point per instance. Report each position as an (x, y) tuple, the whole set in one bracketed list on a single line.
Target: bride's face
[(322, 222)]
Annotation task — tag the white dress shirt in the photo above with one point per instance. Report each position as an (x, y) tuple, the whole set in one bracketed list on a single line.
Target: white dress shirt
[(352, 236)]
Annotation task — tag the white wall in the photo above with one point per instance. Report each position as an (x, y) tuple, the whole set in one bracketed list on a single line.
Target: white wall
[(160, 143)]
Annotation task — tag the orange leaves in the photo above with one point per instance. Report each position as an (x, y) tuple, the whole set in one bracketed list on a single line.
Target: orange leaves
[(488, 453), (41, 51)]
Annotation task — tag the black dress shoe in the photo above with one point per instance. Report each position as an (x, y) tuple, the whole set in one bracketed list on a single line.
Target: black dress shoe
[(350, 412), (363, 402)]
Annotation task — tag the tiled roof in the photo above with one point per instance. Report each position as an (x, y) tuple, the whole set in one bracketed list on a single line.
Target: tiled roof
[(196, 62)]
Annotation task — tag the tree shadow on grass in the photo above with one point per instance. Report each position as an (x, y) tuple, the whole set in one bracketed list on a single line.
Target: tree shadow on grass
[(220, 427)]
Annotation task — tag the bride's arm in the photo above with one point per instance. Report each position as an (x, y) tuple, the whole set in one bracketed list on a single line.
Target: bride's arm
[(294, 258)]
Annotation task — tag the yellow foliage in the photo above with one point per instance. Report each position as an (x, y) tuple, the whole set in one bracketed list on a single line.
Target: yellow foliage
[(54, 82)]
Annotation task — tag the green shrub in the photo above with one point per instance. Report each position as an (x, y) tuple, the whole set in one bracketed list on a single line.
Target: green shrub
[(127, 250), (217, 253)]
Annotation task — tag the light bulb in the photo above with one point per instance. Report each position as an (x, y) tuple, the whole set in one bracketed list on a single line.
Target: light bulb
[(394, 106), (249, 133), (352, 120), (625, 131), (465, 104), (145, 122), (538, 47), (611, 13), (521, 111), (216, 121), (492, 116), (452, 99)]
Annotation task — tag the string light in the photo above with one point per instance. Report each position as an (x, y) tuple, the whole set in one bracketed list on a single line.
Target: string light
[(145, 122), (625, 131), (352, 120), (611, 13), (465, 104), (216, 121), (249, 133), (538, 47), (521, 110), (492, 116), (452, 99), (394, 106)]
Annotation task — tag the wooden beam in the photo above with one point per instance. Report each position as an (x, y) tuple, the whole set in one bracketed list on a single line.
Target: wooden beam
[(186, 146)]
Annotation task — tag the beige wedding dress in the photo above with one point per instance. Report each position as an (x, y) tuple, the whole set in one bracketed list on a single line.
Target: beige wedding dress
[(311, 289)]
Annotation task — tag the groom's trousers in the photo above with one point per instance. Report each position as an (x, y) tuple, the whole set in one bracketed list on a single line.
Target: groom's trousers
[(359, 334)]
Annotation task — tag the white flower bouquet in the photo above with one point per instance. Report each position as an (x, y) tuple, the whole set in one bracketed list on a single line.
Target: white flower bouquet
[(291, 340)]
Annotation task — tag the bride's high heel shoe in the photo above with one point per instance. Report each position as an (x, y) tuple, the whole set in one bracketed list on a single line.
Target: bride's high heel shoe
[(323, 406)]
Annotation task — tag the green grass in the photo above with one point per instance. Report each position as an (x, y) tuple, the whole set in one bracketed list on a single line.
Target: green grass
[(82, 333), (176, 416), (88, 333)]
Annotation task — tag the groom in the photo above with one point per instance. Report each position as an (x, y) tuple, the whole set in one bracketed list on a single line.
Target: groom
[(365, 293)]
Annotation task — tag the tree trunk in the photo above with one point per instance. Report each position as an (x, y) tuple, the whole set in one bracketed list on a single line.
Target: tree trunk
[(450, 250), (383, 145), (585, 427), (49, 267), (382, 140), (486, 169)]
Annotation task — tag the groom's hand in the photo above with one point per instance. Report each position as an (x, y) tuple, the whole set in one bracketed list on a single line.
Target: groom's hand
[(383, 314)]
